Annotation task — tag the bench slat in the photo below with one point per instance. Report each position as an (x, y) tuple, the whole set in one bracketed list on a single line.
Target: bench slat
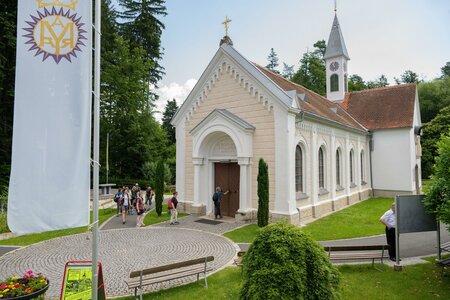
[(170, 276), (356, 248), (171, 266), (175, 271)]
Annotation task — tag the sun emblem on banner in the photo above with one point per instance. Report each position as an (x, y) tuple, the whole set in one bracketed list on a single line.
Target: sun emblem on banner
[(56, 32)]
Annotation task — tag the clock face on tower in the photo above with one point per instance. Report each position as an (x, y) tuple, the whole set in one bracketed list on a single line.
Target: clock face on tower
[(334, 66)]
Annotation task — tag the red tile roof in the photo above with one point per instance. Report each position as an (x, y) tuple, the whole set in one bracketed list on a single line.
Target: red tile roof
[(382, 108), (315, 103)]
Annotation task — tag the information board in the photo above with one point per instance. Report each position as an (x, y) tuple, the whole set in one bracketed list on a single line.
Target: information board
[(77, 281)]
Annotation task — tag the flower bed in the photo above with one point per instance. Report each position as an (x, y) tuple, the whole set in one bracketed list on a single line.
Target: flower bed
[(28, 286)]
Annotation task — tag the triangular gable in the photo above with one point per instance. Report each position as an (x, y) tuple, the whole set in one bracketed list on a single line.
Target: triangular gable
[(227, 57), (228, 117)]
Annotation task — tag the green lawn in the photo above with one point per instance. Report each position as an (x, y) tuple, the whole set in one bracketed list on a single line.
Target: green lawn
[(25, 240), (245, 234), (423, 281), (153, 218), (361, 219)]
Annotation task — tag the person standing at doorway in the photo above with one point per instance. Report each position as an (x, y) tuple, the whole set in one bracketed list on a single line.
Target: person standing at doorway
[(217, 198), (388, 219)]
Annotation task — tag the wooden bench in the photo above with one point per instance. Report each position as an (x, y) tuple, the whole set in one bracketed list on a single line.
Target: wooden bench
[(356, 253), (144, 277), (238, 260), (444, 263), (445, 247)]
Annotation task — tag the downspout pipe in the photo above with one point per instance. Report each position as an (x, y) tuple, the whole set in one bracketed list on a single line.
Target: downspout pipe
[(371, 147)]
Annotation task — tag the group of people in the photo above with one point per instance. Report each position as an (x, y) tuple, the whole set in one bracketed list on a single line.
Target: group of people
[(132, 201)]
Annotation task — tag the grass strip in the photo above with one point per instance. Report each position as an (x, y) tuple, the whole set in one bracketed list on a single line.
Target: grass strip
[(25, 240), (421, 281), (359, 220)]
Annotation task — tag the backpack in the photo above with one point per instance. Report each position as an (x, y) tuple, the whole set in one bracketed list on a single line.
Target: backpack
[(170, 204), (215, 197), (116, 197)]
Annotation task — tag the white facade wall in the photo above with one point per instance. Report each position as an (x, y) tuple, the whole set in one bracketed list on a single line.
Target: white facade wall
[(392, 157), (316, 202)]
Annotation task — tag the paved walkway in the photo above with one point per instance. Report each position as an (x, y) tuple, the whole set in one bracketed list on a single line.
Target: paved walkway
[(124, 248), (120, 252)]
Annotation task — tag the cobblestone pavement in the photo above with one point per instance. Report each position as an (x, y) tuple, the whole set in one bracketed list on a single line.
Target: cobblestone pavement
[(120, 252), (189, 222)]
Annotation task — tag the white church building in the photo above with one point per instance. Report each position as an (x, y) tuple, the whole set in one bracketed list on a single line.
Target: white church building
[(323, 153)]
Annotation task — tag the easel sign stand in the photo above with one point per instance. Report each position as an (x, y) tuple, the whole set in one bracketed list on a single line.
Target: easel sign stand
[(77, 281)]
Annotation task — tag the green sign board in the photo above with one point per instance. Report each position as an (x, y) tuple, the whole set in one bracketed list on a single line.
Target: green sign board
[(77, 282)]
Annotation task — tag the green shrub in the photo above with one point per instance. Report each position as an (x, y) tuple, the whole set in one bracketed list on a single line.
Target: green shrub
[(437, 198), (159, 187), (286, 263), (263, 193), (149, 171)]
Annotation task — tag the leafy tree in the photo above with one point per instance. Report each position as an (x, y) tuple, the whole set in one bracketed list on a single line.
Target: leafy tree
[(288, 71), (159, 187), (286, 263), (445, 70), (433, 95), (273, 61), (312, 73), (150, 172), (263, 193), (356, 83), (169, 111), (407, 77), (378, 83), (437, 198), (126, 102), (8, 11), (430, 137), (142, 28)]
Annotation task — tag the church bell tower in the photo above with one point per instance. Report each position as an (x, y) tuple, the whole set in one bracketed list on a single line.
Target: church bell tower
[(336, 59)]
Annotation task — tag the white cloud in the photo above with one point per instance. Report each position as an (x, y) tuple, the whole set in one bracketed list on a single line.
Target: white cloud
[(176, 91)]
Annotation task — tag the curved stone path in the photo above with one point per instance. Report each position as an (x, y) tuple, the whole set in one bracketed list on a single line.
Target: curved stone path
[(120, 252)]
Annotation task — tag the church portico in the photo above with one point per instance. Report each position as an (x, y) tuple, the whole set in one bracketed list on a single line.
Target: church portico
[(222, 155)]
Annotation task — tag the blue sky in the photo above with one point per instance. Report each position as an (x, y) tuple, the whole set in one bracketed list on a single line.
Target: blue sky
[(382, 37)]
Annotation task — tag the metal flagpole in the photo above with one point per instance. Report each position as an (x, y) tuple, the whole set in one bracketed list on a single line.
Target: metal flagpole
[(107, 158), (96, 122)]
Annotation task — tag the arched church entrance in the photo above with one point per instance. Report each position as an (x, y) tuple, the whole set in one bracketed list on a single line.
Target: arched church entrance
[(222, 154), (226, 175)]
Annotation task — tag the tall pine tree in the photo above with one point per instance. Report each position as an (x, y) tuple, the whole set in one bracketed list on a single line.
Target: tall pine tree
[(142, 27), (273, 61)]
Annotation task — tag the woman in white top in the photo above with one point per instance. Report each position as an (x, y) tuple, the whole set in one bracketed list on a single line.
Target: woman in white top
[(125, 204)]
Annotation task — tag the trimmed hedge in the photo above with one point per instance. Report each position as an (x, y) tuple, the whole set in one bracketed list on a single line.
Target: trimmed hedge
[(286, 263)]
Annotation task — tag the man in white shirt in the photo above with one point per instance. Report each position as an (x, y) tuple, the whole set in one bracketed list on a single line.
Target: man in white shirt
[(388, 219)]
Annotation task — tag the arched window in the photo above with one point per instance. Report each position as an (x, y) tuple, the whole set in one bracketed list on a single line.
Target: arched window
[(321, 169), (352, 173), (338, 167), (334, 83), (363, 179), (299, 169)]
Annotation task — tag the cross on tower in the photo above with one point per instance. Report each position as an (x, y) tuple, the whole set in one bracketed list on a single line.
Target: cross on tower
[(226, 22)]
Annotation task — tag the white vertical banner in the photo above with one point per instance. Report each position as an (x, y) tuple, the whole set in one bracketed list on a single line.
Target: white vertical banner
[(49, 184)]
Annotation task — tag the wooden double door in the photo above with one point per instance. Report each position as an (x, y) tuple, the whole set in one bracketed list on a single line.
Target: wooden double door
[(226, 175)]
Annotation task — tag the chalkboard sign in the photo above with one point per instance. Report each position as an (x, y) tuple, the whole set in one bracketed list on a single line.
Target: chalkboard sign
[(77, 281), (411, 215)]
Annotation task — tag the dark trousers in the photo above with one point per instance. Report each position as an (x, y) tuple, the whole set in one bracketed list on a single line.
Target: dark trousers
[(217, 209), (390, 237)]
